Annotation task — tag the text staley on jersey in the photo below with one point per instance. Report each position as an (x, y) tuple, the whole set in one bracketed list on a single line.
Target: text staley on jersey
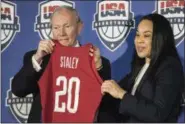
[(69, 62)]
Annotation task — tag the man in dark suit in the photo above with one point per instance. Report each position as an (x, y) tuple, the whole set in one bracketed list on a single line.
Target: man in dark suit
[(66, 26)]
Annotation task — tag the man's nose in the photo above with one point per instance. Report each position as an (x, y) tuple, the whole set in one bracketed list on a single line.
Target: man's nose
[(62, 31)]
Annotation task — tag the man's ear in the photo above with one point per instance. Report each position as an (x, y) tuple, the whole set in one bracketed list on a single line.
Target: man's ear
[(80, 27)]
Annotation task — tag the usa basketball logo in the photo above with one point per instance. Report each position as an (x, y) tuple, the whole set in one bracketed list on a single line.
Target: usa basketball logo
[(113, 21), (42, 25), (9, 23), (20, 107), (173, 10)]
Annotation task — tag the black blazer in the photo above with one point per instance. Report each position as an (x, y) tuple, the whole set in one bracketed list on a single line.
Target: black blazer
[(157, 98), (25, 82)]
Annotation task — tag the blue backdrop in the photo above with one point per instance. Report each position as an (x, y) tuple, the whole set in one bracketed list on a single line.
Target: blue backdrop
[(110, 25)]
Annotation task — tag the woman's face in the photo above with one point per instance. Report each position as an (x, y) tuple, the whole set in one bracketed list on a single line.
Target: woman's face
[(143, 39)]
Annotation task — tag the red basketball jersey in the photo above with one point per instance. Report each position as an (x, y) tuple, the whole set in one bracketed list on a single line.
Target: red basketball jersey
[(70, 86)]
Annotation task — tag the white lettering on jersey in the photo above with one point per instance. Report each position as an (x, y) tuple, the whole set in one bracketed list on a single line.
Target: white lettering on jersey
[(67, 90), (69, 62)]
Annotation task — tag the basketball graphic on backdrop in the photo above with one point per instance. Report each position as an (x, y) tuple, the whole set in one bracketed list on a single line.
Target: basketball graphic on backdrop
[(113, 32), (178, 29), (45, 9), (5, 34), (174, 12), (9, 23), (112, 22), (20, 107)]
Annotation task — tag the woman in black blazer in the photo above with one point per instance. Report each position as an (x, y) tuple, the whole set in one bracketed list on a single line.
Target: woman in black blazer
[(151, 92)]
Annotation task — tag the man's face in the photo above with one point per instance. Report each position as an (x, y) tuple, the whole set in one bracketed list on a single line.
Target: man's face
[(65, 27)]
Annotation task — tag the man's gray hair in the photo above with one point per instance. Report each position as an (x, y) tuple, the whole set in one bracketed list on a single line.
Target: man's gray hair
[(68, 8)]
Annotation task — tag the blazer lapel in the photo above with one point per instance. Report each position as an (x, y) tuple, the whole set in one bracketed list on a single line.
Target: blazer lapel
[(143, 79)]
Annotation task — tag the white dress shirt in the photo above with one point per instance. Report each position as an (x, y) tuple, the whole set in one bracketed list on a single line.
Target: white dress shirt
[(139, 77)]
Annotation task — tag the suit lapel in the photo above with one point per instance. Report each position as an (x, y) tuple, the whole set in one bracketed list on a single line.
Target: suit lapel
[(45, 61)]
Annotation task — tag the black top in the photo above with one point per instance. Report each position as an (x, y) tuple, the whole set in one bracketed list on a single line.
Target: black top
[(157, 98)]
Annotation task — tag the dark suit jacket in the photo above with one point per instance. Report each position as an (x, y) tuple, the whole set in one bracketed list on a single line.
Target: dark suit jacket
[(25, 82), (157, 98)]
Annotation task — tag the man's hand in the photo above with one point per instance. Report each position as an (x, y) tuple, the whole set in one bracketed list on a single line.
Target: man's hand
[(111, 87), (95, 51), (45, 47)]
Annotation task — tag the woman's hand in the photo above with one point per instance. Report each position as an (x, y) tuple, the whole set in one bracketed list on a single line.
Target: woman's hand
[(111, 87)]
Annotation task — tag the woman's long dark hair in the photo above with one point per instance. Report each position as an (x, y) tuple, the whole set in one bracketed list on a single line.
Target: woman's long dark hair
[(163, 44)]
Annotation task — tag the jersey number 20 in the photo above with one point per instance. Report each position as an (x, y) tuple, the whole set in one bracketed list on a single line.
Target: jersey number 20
[(67, 89)]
